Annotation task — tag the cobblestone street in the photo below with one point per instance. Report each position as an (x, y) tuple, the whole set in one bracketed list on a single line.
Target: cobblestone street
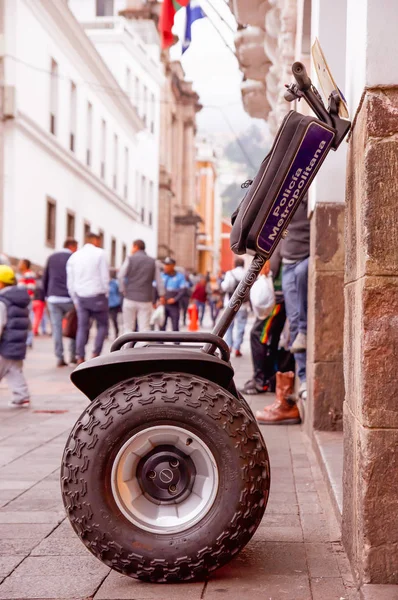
[(296, 553)]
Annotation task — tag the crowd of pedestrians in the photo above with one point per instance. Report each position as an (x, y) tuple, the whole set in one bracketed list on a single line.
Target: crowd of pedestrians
[(77, 289)]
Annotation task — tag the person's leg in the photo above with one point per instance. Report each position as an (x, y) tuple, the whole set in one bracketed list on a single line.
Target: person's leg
[(291, 299), (66, 307), (202, 312), (144, 314), (184, 303), (259, 352), (113, 312), (271, 335), (229, 336), (102, 321), (175, 316), (37, 315), (17, 382), (129, 315), (241, 320), (167, 314), (291, 305), (301, 274), (57, 311), (83, 327)]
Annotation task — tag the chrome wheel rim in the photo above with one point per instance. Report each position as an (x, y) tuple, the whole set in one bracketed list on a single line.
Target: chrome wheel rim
[(191, 493)]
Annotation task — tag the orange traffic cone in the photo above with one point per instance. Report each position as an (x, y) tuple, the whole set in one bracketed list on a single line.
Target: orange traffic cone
[(193, 314)]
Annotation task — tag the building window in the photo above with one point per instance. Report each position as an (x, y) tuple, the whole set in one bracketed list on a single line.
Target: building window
[(101, 237), (143, 197), (124, 252), (89, 133), (86, 230), (126, 174), (70, 225), (113, 252), (115, 158), (72, 136), (50, 222), (53, 97), (105, 8), (150, 203), (103, 149)]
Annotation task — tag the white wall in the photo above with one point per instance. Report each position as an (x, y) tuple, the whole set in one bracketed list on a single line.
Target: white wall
[(328, 24), (39, 164)]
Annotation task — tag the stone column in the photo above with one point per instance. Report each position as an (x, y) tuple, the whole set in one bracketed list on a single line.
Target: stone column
[(324, 408), (370, 514)]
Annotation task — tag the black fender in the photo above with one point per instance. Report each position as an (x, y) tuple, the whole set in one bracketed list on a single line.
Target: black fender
[(99, 374)]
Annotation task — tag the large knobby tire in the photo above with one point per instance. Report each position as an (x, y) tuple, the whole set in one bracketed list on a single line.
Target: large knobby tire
[(106, 459)]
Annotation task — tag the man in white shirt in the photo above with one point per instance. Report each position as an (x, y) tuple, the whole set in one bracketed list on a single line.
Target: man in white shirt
[(236, 331), (88, 285)]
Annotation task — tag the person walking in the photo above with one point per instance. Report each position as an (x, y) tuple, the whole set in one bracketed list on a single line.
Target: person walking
[(14, 326), (199, 296), (137, 277), (236, 331), (27, 279), (88, 285), (185, 299), (174, 285), (59, 302), (114, 300)]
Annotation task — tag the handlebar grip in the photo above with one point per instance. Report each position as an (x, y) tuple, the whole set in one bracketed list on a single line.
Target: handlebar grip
[(300, 74)]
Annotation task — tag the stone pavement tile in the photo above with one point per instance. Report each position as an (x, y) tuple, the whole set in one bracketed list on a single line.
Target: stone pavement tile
[(315, 528), (321, 560), (8, 516), (8, 564), (45, 496), (54, 577), (63, 541), (120, 587), (240, 586), (308, 486), (307, 497), (282, 509), (277, 497), (272, 520), (272, 558), (278, 534), (10, 484), (21, 539), (329, 588), (379, 592)]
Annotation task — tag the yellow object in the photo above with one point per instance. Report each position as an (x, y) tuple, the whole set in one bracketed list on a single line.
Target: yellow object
[(7, 275)]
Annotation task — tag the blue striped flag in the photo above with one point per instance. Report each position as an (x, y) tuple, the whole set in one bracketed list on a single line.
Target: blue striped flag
[(194, 12)]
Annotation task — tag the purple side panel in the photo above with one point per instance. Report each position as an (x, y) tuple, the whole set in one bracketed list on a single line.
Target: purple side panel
[(310, 154)]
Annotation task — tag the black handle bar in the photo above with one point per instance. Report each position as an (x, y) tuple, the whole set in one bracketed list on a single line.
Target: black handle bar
[(174, 336), (301, 76)]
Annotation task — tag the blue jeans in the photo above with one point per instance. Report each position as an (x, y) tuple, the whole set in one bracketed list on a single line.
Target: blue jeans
[(235, 341), (201, 310), (57, 313), (295, 291), (92, 308)]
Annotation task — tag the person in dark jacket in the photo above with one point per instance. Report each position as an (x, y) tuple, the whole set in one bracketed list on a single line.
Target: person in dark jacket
[(14, 326), (174, 284), (59, 302), (199, 296), (136, 282)]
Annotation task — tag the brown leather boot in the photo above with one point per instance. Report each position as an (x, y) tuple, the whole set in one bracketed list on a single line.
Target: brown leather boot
[(283, 411)]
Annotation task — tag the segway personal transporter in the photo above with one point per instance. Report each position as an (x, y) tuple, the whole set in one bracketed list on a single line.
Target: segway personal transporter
[(165, 476)]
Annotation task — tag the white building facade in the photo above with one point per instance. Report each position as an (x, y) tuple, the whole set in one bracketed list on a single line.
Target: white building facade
[(77, 153)]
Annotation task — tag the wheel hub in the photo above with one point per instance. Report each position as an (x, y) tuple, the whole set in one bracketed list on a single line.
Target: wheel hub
[(166, 475)]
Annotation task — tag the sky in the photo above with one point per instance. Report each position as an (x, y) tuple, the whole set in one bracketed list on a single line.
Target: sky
[(214, 71)]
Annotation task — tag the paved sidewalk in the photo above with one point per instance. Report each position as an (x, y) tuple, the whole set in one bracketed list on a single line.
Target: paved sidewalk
[(295, 555)]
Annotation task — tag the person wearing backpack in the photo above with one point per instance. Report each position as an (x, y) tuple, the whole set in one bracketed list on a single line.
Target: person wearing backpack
[(236, 331)]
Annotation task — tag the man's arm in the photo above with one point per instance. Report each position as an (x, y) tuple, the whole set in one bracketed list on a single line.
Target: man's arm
[(181, 291), (121, 276), (70, 282), (227, 284), (104, 273), (160, 287)]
